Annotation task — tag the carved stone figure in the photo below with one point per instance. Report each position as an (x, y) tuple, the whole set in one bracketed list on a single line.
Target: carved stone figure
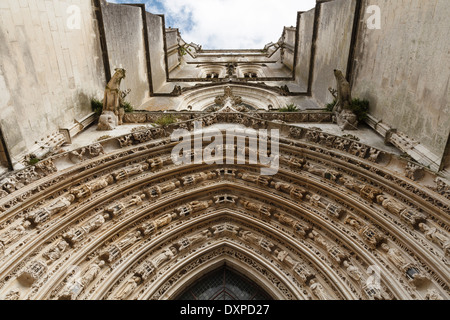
[(260, 241), (112, 101), (395, 256), (71, 290), (337, 254), (129, 240), (318, 290), (13, 295), (354, 223), (119, 207), (197, 238), (225, 229), (374, 154), (352, 271), (95, 223), (391, 205), (371, 236), (347, 120), (284, 257), (130, 171), (56, 252), (368, 192), (436, 236), (324, 173), (197, 178), (158, 191), (32, 272), (12, 235), (125, 141), (92, 272), (108, 120), (128, 288), (164, 256), (151, 227), (317, 238), (300, 228), (432, 294), (344, 97), (413, 172), (200, 205), (304, 273), (258, 179), (42, 215), (332, 209), (257, 208), (297, 193)]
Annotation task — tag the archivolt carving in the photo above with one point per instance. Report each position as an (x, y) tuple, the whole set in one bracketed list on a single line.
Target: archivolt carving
[(325, 204)]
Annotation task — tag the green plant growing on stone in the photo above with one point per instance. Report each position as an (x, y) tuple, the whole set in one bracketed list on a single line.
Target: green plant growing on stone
[(289, 108), (165, 120), (127, 107), (182, 51), (33, 161), (329, 107), (359, 107), (97, 106)]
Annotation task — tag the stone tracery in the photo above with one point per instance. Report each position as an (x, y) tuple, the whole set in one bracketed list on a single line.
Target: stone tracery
[(311, 205)]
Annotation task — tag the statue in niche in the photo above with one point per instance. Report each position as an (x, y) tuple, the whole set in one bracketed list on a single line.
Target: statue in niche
[(125, 173), (197, 178), (55, 207), (119, 207), (284, 256), (395, 256), (317, 238), (318, 290), (164, 256), (296, 225), (257, 208), (112, 113), (436, 236), (158, 191), (352, 271), (390, 204), (92, 272), (260, 241), (12, 235), (258, 179), (151, 227), (56, 252), (129, 240), (128, 288), (200, 205), (197, 238)]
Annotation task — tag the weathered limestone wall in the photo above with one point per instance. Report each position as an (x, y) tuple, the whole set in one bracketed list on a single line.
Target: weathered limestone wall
[(50, 68), (332, 45), (124, 29), (289, 46), (305, 31), (403, 69), (157, 59), (172, 48)]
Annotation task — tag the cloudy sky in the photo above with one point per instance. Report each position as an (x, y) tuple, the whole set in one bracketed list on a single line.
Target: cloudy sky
[(228, 24)]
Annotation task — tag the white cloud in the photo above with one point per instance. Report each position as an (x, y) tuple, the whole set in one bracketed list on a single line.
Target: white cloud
[(228, 24), (233, 24)]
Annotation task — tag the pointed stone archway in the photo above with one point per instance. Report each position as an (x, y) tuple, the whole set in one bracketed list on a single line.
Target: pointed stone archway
[(123, 221)]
